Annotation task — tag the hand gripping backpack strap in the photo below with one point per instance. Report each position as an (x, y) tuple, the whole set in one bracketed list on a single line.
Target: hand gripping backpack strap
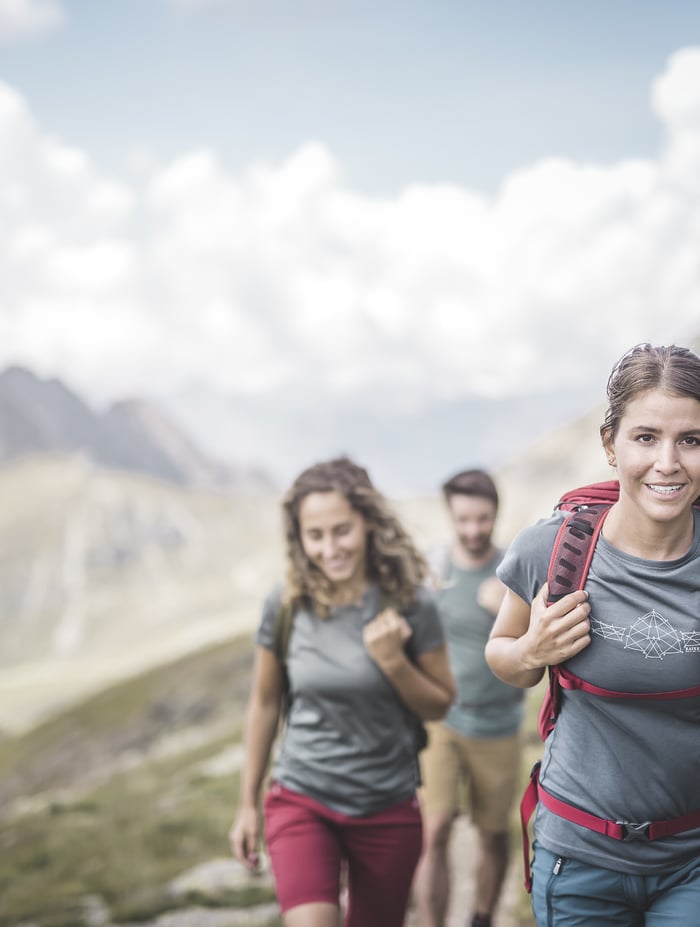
[(569, 563), (568, 567)]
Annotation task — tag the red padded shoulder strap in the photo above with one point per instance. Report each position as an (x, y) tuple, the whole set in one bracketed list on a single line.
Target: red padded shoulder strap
[(593, 494), (573, 550)]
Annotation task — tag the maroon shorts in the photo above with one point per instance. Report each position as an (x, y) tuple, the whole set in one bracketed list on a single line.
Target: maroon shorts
[(308, 845)]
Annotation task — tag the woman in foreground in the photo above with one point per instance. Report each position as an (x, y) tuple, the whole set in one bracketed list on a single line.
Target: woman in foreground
[(366, 659), (629, 761)]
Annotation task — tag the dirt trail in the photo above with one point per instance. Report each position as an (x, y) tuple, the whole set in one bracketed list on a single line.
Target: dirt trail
[(463, 883)]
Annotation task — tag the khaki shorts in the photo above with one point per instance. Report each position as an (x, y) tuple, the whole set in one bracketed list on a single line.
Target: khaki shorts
[(480, 775)]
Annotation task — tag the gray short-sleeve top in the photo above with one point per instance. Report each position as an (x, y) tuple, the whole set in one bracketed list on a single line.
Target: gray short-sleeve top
[(631, 760), (349, 741)]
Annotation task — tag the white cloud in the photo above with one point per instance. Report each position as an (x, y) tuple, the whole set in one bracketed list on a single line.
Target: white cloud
[(676, 95), (282, 278), (676, 100), (20, 19)]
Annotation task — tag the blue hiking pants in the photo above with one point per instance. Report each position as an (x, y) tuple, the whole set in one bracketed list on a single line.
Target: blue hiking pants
[(568, 893)]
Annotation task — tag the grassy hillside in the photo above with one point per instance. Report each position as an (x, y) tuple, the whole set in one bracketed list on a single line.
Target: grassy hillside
[(109, 801), (105, 574), (114, 798)]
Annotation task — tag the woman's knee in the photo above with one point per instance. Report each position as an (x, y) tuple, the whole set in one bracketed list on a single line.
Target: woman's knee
[(316, 914)]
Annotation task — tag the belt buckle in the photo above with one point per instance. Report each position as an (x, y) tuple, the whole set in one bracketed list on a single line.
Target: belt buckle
[(633, 831)]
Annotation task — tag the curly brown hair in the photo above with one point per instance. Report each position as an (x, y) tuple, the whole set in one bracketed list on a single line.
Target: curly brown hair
[(392, 560)]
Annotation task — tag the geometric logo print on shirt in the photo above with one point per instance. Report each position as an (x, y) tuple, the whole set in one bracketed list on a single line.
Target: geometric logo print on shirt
[(651, 634)]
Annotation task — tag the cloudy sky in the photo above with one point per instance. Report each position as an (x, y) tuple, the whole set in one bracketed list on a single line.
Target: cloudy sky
[(317, 202)]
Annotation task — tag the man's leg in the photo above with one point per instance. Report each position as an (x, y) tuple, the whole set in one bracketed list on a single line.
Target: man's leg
[(494, 765), (442, 772), (493, 854), (432, 882)]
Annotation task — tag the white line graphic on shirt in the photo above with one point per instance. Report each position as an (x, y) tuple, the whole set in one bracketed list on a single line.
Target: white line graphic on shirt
[(651, 635)]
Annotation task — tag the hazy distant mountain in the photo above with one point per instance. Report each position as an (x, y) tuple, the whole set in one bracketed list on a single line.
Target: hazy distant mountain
[(407, 449), (104, 572), (39, 416), (566, 457)]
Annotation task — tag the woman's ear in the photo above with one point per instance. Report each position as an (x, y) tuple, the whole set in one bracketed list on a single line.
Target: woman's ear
[(607, 442)]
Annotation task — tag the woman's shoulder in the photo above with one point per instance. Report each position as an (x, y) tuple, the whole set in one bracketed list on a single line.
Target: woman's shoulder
[(524, 565), (271, 615), (273, 597), (542, 531), (423, 599), (424, 618), (424, 609)]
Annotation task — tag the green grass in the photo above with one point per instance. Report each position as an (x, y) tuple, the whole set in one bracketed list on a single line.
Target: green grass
[(123, 842), (124, 839), (122, 836), (201, 691)]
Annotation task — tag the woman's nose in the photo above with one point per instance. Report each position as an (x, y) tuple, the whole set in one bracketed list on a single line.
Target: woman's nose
[(329, 546), (667, 457)]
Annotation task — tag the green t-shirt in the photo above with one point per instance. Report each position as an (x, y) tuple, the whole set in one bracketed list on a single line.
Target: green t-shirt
[(485, 706)]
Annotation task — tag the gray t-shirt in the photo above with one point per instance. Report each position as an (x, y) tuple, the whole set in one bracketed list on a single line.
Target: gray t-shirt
[(350, 740), (485, 706), (624, 760)]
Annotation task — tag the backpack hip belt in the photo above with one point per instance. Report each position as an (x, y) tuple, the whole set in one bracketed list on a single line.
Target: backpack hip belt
[(618, 830)]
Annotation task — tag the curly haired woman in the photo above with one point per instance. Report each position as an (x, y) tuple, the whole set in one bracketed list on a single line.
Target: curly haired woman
[(365, 659)]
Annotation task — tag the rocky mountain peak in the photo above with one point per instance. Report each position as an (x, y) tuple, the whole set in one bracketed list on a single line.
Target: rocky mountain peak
[(40, 416)]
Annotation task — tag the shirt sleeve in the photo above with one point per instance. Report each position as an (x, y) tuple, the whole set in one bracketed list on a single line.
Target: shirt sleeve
[(525, 565), (425, 623), (266, 633)]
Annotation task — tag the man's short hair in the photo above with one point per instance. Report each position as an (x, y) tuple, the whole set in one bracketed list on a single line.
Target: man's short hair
[(471, 483)]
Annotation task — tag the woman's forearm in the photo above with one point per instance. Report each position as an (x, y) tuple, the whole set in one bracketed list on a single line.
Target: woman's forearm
[(261, 725), (508, 659)]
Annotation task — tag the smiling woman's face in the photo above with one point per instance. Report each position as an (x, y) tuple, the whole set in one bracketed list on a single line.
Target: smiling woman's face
[(334, 537), (656, 451)]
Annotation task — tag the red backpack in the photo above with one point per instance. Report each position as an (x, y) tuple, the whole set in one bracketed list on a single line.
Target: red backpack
[(569, 562)]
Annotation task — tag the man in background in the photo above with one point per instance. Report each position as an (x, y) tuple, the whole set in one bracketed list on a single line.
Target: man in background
[(475, 750)]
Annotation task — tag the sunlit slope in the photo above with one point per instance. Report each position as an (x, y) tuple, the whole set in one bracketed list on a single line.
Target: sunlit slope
[(103, 572)]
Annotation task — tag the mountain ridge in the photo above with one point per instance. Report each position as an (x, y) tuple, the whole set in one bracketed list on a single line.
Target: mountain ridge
[(40, 416)]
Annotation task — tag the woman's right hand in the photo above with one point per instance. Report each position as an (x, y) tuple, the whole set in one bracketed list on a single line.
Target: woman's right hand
[(243, 838), (559, 631)]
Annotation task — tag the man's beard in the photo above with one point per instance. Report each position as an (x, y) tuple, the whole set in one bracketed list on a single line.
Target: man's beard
[(476, 547)]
